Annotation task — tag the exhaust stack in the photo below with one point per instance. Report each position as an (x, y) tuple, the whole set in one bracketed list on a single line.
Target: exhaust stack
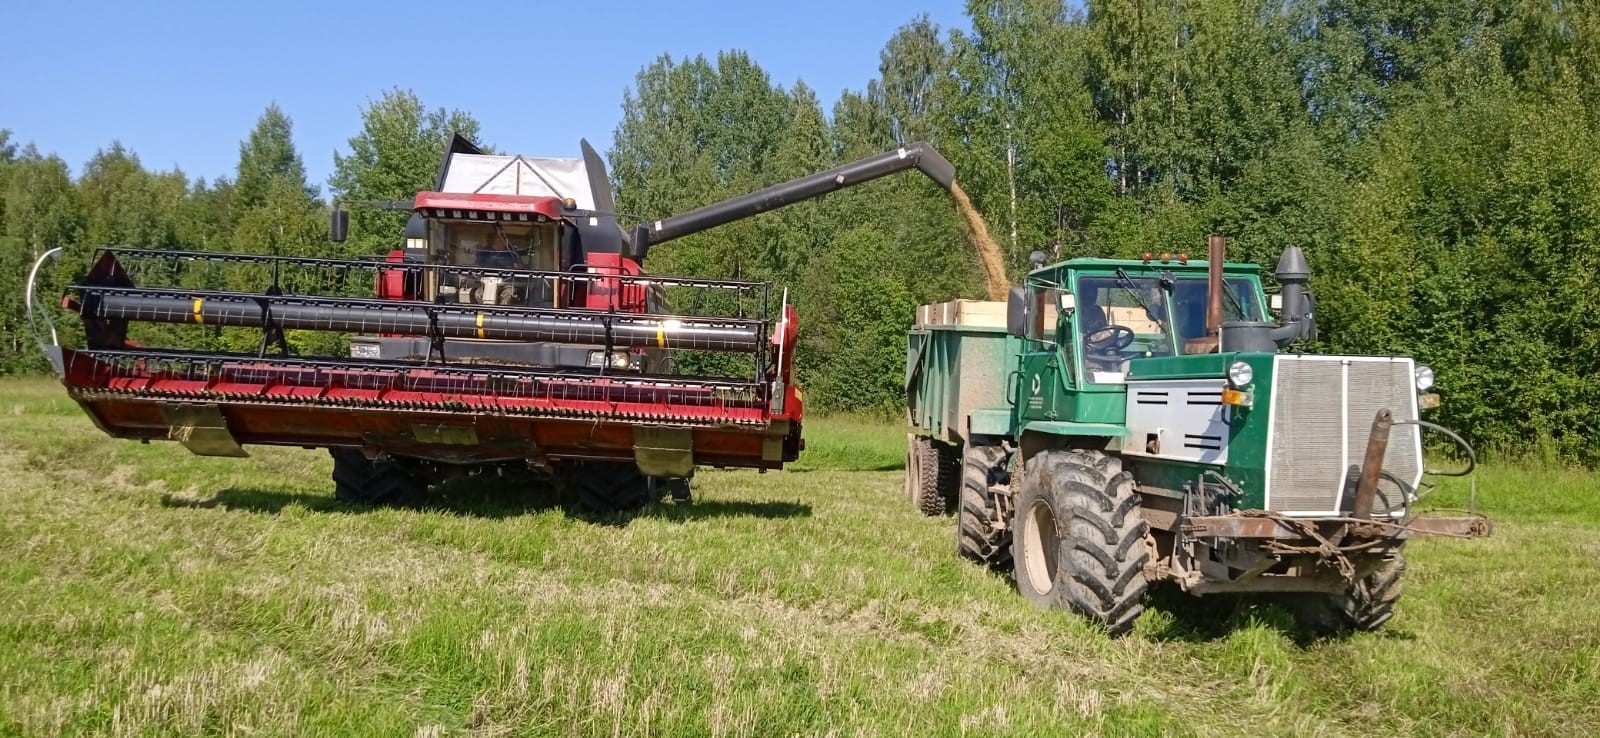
[(1216, 252)]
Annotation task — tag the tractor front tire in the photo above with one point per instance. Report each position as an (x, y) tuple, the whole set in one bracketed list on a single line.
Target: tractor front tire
[(605, 487), (1366, 606), (376, 482), (1079, 538), (932, 473), (981, 533)]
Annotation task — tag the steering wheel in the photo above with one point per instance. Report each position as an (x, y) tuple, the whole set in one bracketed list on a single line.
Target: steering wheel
[(1108, 341)]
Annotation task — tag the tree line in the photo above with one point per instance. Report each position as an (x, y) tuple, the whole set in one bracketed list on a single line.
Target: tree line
[(1439, 160)]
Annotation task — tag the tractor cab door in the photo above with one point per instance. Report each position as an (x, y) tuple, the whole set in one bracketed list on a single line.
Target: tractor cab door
[(1044, 371)]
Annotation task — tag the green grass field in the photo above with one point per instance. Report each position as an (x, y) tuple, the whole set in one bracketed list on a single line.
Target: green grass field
[(144, 591)]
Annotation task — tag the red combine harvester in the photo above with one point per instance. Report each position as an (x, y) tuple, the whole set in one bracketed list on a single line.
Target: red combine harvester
[(515, 330)]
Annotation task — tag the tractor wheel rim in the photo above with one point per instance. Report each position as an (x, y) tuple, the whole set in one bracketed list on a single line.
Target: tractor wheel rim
[(1039, 545)]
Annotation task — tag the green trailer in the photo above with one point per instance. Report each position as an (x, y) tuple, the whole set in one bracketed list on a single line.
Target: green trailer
[(956, 362), (1122, 422)]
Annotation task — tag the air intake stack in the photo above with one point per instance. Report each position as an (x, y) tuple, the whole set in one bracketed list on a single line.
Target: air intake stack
[(1297, 322)]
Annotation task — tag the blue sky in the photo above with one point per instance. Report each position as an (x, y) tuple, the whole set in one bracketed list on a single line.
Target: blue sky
[(180, 83)]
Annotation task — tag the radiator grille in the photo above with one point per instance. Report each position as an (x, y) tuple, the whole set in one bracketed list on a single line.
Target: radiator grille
[(1322, 413)]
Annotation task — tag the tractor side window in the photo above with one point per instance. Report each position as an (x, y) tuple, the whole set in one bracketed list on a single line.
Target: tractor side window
[(1046, 314)]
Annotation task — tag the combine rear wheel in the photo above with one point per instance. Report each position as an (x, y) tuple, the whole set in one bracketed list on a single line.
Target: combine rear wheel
[(933, 470), (1367, 605), (1080, 538), (606, 486), (385, 482), (981, 534)]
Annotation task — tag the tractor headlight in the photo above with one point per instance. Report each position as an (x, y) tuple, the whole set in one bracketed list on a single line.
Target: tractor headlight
[(1424, 378), (1240, 374)]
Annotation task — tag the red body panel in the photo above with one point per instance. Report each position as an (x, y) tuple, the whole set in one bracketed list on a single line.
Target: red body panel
[(510, 418), (549, 208)]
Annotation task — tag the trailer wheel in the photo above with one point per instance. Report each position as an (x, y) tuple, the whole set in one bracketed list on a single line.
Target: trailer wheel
[(1080, 539), (1365, 607), (606, 486), (981, 533), (933, 471), (385, 482)]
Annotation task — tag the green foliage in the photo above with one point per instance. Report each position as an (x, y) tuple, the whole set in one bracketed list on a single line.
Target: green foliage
[(395, 156), (1435, 159), (268, 157)]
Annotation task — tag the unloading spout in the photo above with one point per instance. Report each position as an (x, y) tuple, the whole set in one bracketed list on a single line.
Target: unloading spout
[(920, 156)]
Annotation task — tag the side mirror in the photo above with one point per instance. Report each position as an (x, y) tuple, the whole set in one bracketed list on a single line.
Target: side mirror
[(1068, 302), (1275, 302), (339, 225), (1017, 309)]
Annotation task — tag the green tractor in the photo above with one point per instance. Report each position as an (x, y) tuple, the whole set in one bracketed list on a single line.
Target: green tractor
[(1119, 423)]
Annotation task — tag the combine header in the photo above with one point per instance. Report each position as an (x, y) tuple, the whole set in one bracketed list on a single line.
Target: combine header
[(515, 330)]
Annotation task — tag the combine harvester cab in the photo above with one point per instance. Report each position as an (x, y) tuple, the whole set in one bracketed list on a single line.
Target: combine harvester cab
[(1117, 423), (514, 330)]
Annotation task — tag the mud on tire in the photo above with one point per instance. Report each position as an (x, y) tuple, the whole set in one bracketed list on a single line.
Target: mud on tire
[(1080, 538), (981, 533), (381, 482)]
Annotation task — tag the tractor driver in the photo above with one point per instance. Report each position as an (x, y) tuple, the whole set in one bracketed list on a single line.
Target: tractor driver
[(1102, 340)]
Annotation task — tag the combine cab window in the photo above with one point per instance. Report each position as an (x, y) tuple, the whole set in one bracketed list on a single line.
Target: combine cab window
[(498, 246)]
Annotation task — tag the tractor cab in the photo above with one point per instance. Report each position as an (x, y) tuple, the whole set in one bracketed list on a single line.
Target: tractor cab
[(1099, 316), (1139, 310)]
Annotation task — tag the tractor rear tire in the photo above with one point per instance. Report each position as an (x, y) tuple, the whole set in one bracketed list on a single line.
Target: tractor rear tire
[(1080, 538), (981, 533), (605, 487), (1366, 606), (376, 482), (933, 470)]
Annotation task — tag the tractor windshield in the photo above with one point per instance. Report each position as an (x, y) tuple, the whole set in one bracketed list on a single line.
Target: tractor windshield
[(1120, 318), (1239, 302)]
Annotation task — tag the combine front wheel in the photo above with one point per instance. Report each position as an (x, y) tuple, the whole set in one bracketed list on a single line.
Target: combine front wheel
[(606, 486), (1079, 538), (980, 533), (385, 482)]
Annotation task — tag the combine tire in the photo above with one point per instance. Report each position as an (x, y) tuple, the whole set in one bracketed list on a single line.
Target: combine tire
[(932, 473), (380, 483), (607, 486), (1365, 607), (981, 534), (1080, 539)]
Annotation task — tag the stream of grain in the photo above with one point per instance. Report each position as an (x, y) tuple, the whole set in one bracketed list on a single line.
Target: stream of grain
[(994, 265)]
